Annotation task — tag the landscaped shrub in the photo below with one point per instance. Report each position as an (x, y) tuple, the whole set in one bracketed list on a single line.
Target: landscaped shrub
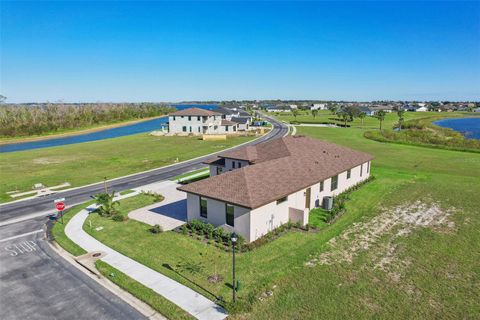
[(339, 201), (119, 217), (184, 229), (156, 196), (156, 229)]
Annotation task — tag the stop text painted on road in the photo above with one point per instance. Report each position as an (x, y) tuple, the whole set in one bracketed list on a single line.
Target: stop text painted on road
[(24, 247)]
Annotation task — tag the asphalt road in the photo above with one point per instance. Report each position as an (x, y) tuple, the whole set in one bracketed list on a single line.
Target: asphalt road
[(36, 283), (82, 194)]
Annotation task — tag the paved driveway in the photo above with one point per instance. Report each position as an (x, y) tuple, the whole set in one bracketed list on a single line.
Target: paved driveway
[(170, 213), (35, 283)]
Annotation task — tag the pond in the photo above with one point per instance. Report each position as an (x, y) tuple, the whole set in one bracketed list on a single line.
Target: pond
[(468, 127), (126, 130)]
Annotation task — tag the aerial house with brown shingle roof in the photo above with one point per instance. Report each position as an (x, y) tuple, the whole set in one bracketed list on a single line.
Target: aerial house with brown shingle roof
[(254, 189), (199, 121)]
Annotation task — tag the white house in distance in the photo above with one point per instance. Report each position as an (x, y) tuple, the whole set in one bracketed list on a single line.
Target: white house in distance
[(318, 106), (255, 189), (199, 121)]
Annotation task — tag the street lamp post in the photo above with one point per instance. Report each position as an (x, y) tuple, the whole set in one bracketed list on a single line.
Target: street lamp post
[(234, 242)]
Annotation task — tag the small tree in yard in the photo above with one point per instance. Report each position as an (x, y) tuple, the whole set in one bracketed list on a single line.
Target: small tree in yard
[(400, 118), (362, 116), (314, 113), (106, 204), (295, 113), (381, 117)]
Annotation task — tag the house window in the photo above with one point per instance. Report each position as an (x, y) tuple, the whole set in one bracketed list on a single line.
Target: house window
[(234, 128), (368, 167), (198, 129), (361, 170), (321, 186), (189, 118), (226, 128), (239, 165), (184, 128), (173, 118), (233, 164), (203, 207), (190, 129), (229, 214), (198, 118), (219, 170), (282, 200), (349, 173), (334, 184)]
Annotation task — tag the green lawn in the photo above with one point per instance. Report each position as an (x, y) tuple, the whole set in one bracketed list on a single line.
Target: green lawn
[(368, 122), (90, 162), (441, 267), (159, 303)]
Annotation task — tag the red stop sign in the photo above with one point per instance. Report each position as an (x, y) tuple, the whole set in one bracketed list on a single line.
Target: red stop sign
[(60, 206)]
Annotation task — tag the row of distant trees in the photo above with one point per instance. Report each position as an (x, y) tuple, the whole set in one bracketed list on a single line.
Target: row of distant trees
[(25, 120)]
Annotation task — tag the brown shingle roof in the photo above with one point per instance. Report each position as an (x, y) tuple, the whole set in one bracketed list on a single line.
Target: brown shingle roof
[(282, 167), (195, 112)]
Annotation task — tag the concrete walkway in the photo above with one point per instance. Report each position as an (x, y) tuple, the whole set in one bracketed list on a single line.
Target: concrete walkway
[(170, 213), (184, 297)]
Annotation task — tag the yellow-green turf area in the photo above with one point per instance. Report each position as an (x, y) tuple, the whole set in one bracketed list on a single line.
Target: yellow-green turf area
[(437, 269), (84, 163)]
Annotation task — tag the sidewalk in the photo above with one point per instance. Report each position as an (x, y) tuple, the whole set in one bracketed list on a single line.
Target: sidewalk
[(184, 297)]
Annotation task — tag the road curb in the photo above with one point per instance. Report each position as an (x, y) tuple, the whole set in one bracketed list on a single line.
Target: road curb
[(127, 297)]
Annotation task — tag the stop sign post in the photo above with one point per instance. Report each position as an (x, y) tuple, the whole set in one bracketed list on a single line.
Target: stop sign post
[(60, 206)]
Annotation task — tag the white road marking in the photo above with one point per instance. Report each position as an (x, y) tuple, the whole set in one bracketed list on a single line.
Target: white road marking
[(21, 248), (21, 235)]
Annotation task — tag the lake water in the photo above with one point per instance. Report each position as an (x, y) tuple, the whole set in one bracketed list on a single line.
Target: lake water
[(144, 126), (469, 127)]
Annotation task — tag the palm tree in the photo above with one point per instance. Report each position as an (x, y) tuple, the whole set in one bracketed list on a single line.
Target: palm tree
[(106, 204), (314, 113), (344, 116), (295, 113), (381, 116), (362, 116), (400, 118)]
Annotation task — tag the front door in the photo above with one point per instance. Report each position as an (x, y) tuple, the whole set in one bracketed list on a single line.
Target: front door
[(307, 198)]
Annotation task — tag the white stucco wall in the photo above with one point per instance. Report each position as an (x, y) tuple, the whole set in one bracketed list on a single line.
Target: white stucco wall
[(216, 215), (229, 164), (196, 123)]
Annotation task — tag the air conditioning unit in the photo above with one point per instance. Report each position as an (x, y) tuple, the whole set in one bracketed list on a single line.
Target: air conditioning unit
[(327, 203)]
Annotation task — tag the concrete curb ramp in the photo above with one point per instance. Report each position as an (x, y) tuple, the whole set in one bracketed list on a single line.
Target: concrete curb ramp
[(192, 302)]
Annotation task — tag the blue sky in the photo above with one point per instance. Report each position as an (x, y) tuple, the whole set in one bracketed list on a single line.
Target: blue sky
[(161, 51)]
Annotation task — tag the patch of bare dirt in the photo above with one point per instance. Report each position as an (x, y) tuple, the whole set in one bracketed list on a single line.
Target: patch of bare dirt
[(381, 232)]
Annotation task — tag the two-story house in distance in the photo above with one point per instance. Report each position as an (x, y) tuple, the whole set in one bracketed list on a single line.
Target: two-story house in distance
[(199, 121), (254, 189)]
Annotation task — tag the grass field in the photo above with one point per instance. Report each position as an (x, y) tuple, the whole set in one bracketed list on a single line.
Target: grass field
[(90, 162), (368, 122), (433, 270), (379, 266)]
